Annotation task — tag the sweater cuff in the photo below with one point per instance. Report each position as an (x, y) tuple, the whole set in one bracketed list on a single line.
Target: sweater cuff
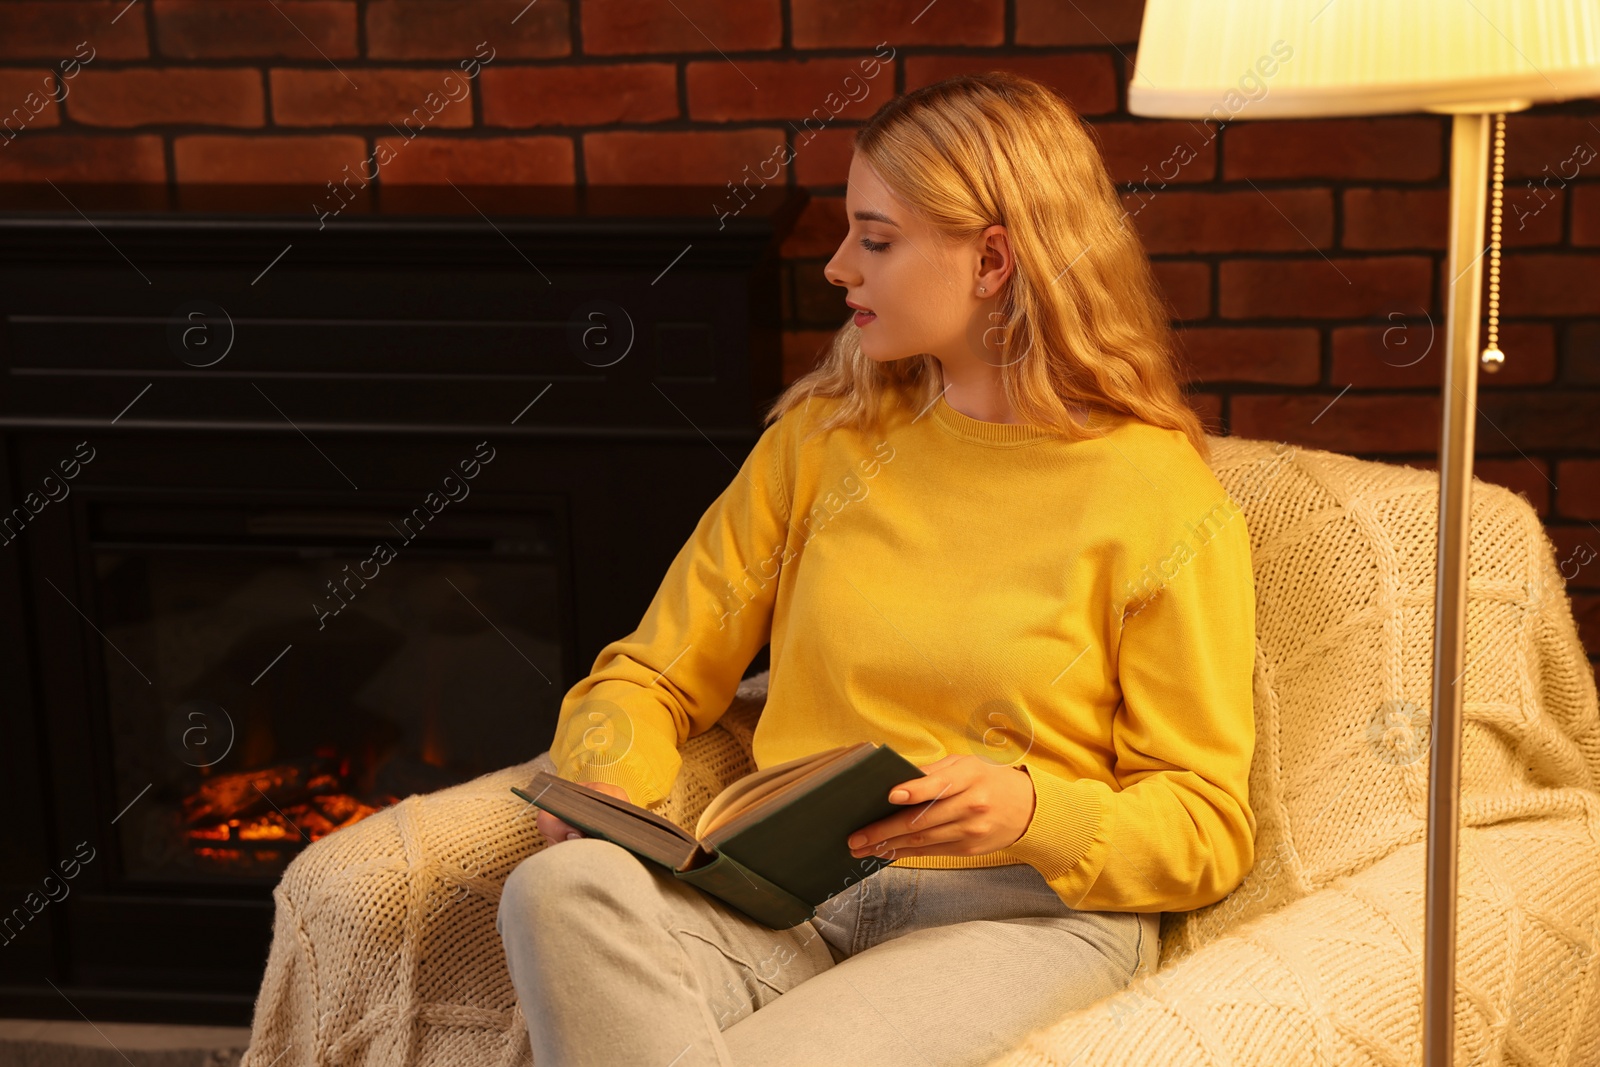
[(642, 786), (1067, 816)]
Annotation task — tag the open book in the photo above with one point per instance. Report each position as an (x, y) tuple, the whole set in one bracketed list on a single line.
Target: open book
[(772, 844)]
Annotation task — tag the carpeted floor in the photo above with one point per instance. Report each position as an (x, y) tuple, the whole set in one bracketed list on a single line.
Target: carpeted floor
[(52, 1043)]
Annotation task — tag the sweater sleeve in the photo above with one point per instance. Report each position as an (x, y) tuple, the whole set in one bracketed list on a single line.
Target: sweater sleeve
[(1177, 832), (675, 675)]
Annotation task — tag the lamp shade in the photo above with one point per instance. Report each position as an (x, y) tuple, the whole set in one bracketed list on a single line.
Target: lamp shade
[(1243, 59)]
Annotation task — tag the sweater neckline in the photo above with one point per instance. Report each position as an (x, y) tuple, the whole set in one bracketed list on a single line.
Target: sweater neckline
[(979, 431)]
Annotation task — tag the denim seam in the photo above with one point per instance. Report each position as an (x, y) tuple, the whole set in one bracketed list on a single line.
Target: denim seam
[(862, 922), (1138, 948), (911, 905), (746, 964), (870, 928), (708, 1021)]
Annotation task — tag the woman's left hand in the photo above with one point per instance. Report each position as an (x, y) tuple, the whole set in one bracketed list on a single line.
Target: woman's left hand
[(966, 806)]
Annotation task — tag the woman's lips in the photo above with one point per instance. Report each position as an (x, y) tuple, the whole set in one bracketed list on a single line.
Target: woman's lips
[(864, 317)]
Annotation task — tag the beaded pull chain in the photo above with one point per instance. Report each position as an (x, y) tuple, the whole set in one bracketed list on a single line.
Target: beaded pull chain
[(1492, 358)]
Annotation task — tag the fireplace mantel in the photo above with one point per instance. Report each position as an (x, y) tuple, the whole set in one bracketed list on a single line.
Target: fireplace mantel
[(453, 297)]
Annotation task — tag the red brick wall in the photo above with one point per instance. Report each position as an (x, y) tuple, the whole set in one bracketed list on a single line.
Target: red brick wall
[(1304, 260)]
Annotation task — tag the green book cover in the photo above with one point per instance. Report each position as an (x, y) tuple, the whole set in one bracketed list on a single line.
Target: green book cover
[(772, 845)]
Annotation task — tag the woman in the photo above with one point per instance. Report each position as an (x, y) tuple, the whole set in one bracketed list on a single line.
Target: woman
[(983, 532)]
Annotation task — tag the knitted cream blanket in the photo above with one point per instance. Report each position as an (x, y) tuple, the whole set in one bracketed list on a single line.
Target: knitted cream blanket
[(385, 951)]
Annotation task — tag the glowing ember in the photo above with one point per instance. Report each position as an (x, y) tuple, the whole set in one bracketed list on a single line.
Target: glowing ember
[(294, 803)]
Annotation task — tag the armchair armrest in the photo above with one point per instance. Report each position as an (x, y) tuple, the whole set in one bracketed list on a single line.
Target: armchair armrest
[(1336, 975)]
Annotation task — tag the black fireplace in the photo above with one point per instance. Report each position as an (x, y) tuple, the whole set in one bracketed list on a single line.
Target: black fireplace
[(300, 516)]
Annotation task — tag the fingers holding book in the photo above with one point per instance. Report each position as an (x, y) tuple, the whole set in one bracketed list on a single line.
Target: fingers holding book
[(965, 806), (555, 831)]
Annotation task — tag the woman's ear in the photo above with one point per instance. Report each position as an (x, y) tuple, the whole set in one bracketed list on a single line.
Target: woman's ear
[(995, 261)]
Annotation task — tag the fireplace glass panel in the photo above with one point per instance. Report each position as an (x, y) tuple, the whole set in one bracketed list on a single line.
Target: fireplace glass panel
[(272, 683)]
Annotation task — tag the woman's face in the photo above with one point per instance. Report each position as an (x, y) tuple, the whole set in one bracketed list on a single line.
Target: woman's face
[(921, 289)]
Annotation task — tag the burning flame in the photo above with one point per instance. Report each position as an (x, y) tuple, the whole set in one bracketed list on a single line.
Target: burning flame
[(296, 802)]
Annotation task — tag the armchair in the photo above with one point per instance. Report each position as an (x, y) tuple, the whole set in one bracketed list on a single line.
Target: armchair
[(385, 950)]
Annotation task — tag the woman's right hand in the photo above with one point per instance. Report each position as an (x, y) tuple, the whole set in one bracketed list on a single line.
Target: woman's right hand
[(556, 831)]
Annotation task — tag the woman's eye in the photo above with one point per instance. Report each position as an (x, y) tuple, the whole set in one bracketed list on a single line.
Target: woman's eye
[(873, 246)]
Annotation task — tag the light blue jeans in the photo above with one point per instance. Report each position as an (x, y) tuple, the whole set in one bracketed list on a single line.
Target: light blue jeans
[(616, 962)]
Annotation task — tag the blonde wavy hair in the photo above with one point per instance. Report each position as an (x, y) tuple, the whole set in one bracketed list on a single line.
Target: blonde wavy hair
[(1083, 322)]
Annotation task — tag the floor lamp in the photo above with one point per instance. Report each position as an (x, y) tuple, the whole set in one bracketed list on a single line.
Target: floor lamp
[(1234, 60)]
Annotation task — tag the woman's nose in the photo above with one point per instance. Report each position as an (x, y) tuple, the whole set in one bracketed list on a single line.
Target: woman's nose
[(832, 272)]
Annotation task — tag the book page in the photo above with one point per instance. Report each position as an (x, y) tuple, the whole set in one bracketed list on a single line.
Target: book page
[(753, 788), (750, 812)]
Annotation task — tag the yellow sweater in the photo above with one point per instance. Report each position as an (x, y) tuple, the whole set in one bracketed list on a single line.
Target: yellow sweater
[(946, 585)]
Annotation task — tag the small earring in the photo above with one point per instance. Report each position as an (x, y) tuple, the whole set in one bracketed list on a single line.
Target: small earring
[(982, 289)]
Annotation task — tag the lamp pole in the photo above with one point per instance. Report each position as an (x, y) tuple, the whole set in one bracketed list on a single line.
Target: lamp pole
[(1469, 141)]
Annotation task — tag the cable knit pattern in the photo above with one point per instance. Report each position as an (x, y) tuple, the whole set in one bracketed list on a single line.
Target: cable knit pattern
[(385, 952)]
